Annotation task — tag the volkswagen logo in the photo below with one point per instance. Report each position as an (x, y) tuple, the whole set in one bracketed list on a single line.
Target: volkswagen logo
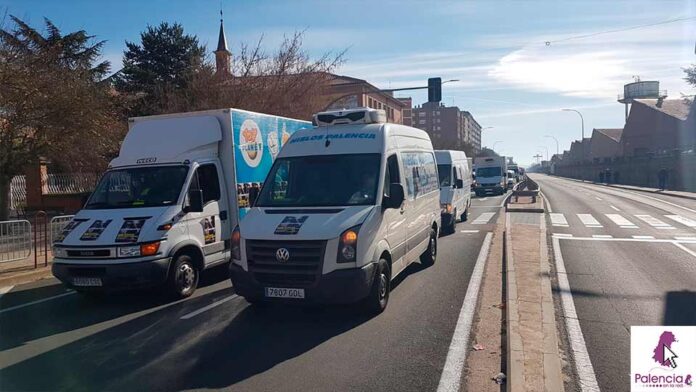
[(282, 255)]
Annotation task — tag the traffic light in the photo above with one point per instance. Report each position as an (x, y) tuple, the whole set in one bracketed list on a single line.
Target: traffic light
[(434, 89)]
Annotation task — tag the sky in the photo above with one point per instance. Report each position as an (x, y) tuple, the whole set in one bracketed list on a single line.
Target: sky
[(509, 78)]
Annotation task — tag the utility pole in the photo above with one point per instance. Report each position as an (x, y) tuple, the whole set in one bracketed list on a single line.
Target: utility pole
[(556, 140), (538, 158)]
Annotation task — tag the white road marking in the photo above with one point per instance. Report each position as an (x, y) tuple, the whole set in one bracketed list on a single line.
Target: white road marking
[(206, 308), (615, 208), (621, 221), (685, 249), (652, 240), (583, 365), (680, 219), (484, 199), (598, 198), (588, 220), (11, 308), (546, 199), (451, 377), (558, 219), (5, 290), (685, 238), (643, 237), (483, 218), (654, 222), (469, 231), (601, 236), (565, 235)]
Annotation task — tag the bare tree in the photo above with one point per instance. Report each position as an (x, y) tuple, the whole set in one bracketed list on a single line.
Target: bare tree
[(287, 82)]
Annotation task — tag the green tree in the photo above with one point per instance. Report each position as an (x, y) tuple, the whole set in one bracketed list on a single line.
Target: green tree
[(691, 75), (165, 59), (52, 104)]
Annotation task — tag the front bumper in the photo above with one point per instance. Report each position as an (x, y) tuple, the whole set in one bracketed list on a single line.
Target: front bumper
[(337, 287), (115, 276), (489, 189)]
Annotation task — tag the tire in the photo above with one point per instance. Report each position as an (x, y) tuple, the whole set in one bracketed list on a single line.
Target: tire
[(430, 255), (183, 277), (465, 215), (378, 298)]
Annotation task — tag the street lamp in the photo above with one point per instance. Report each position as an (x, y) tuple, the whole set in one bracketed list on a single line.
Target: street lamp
[(582, 141), (486, 128), (496, 142), (547, 151), (556, 140), (451, 80)]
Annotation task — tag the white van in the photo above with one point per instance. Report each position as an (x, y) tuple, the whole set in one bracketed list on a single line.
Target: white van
[(455, 187), (166, 208), (346, 207), (510, 179)]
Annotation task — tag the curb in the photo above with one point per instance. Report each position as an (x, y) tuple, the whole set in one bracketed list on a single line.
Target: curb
[(26, 277), (631, 188), (515, 357)]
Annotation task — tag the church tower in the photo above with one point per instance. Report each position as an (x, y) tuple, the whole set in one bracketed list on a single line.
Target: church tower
[(222, 55)]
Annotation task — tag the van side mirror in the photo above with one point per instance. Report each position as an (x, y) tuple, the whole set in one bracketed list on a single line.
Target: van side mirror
[(459, 184), (253, 195), (396, 196), (195, 201)]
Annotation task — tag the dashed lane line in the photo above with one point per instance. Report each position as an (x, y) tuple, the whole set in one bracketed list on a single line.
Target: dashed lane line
[(11, 308), (483, 218), (615, 208), (207, 308)]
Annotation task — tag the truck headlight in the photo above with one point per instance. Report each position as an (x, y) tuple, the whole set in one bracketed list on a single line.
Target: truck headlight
[(236, 244), (347, 245), (445, 208), (60, 252), (129, 251)]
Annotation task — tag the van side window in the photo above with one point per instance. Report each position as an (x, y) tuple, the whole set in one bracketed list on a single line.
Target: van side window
[(421, 173), (206, 179), (392, 174)]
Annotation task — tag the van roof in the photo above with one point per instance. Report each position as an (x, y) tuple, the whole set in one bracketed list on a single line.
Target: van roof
[(347, 139), (449, 156)]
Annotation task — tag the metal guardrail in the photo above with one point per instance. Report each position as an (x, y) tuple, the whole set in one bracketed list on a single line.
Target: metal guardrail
[(15, 240)]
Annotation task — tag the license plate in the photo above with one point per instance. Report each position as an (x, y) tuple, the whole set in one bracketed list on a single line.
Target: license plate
[(85, 282), (274, 292)]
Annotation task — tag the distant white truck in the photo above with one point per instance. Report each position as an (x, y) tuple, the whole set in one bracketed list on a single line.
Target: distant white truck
[(455, 187), (491, 175), (166, 208)]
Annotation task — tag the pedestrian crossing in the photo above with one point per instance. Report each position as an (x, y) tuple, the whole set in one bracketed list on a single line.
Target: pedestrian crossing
[(623, 221)]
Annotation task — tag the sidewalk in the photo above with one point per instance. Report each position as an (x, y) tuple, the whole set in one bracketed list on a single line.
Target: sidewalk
[(17, 272), (534, 362), (682, 194)]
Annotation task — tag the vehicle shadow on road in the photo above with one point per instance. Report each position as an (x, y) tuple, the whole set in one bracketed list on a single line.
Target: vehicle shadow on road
[(74, 311), (680, 308)]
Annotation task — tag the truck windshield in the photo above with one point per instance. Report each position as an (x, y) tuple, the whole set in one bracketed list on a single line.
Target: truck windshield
[(321, 180), (138, 187), (488, 172), (445, 175)]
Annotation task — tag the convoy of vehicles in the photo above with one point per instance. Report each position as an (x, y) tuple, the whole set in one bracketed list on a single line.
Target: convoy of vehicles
[(347, 206), (455, 187), (165, 209), (491, 175)]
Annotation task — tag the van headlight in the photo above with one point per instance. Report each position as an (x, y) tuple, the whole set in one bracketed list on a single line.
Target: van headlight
[(129, 251), (347, 245), (60, 252), (445, 208)]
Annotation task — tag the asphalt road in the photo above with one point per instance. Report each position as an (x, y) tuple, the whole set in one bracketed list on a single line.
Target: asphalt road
[(630, 259), (53, 339)]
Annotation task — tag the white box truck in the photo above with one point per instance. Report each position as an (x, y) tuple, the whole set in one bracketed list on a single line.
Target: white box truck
[(166, 207), (347, 206), (491, 175)]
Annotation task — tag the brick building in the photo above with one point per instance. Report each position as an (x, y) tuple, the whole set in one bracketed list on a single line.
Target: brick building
[(659, 126), (448, 127), (605, 143)]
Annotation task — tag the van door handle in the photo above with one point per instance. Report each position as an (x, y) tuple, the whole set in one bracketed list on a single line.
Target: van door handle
[(223, 215)]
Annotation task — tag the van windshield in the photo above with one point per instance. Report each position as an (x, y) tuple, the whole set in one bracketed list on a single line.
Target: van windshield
[(321, 180), (445, 175), (488, 172), (138, 187)]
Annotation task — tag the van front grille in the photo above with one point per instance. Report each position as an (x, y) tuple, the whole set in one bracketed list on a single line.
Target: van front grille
[(301, 269)]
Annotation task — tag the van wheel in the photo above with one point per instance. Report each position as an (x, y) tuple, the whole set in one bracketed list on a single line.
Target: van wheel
[(430, 255), (183, 278), (378, 298), (465, 215), (453, 226)]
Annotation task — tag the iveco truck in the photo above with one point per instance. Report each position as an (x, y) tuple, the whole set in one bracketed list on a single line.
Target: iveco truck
[(166, 207)]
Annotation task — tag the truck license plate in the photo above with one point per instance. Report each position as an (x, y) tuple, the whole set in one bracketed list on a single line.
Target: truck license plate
[(274, 292), (86, 282)]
